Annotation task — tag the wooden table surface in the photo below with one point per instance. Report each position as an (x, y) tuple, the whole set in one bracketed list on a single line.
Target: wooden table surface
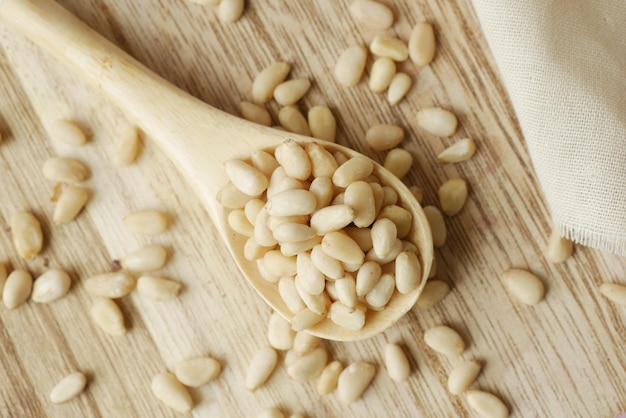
[(564, 357)]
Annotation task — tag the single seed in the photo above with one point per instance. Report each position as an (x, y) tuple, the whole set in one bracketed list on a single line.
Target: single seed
[(146, 222), (280, 265), (524, 286), (381, 74), (252, 209), (50, 286), (260, 368), (384, 136), (255, 113), (294, 160), (408, 272), (108, 316), (264, 162), (246, 178), (399, 216), (229, 11), (158, 288), (231, 197), (433, 292), (331, 267), (271, 413), (279, 332), (343, 248), (422, 44), (304, 342), (380, 294), (398, 88), (437, 225), (127, 147), (291, 202), (347, 317), (486, 404), (463, 375), (27, 235), (452, 196), (69, 204), (461, 150), (291, 91), (329, 378), (437, 121), (317, 303), (305, 319), (197, 371), (614, 292), (389, 47), (367, 277), (398, 161), (346, 291), (372, 14), (148, 258), (110, 285), (170, 391), (350, 65), (68, 388), (239, 223), (65, 170), (559, 249), (354, 169), (17, 288), (67, 132), (323, 163), (322, 123), (360, 197), (267, 80), (444, 340), (289, 294), (293, 120), (308, 366), (384, 234), (353, 381), (396, 363)]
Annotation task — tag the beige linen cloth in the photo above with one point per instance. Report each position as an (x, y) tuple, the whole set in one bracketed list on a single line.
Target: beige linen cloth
[(563, 63)]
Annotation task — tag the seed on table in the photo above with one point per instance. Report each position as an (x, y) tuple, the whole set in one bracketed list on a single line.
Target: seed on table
[(422, 44), (255, 113), (171, 392), (308, 366), (437, 225), (68, 388), (271, 413), (329, 378), (614, 292), (558, 249), (260, 368), (398, 161), (17, 288), (127, 147), (197, 371), (246, 178), (461, 150), (397, 363), (350, 65), (291, 91), (229, 11), (389, 47), (452, 196), (433, 292), (69, 204), (146, 222), (67, 132), (50, 286), (158, 288), (486, 404), (463, 375), (383, 137), (291, 202), (108, 316), (408, 272), (323, 163), (305, 342), (294, 160), (110, 285), (347, 317), (322, 123), (381, 74), (372, 14), (524, 286), (343, 248), (65, 170), (360, 197), (444, 340), (353, 381), (267, 80), (293, 120), (148, 258), (27, 235), (398, 88), (305, 319), (437, 121), (354, 169), (279, 332)]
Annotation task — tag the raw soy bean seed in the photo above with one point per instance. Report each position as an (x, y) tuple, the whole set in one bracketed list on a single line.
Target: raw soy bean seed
[(308, 366), (433, 292), (381, 74)]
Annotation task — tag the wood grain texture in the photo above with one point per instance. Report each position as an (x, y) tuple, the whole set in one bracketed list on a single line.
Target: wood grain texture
[(563, 357)]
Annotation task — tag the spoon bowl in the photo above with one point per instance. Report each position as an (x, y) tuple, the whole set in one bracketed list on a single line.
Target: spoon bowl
[(198, 139)]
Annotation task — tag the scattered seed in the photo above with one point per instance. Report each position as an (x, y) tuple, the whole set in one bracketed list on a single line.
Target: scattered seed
[(350, 66), (353, 381), (290, 92), (108, 316), (461, 150), (422, 44), (65, 170), (452, 196), (396, 363), (110, 285), (305, 342), (255, 113), (68, 388), (384, 137), (197, 371), (148, 258), (486, 404), (70, 202), (381, 74), (305, 319), (146, 222), (293, 120), (389, 47), (559, 249), (67, 132), (127, 147), (433, 292), (398, 88), (158, 288), (437, 121), (229, 11), (437, 225), (398, 161), (444, 340), (50, 286), (261, 367), (271, 413), (614, 292), (524, 286), (170, 391), (463, 375), (17, 288), (372, 14), (308, 366), (322, 123), (279, 332), (267, 80), (27, 235)]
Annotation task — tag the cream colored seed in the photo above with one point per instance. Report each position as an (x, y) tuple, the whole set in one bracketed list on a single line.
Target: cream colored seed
[(329, 377), (331, 267), (444, 340), (69, 204), (399, 216), (559, 249), (398, 161), (353, 381), (354, 169), (264, 162), (367, 277), (452, 196), (322, 123), (67, 132), (17, 288), (293, 120), (127, 147), (266, 81), (255, 113), (206, 2), (148, 258), (360, 197), (293, 232), (291, 202), (437, 121), (252, 209), (384, 136), (50, 286), (462, 376), (108, 316), (408, 272), (229, 11), (197, 371), (294, 248), (289, 92), (260, 368), (350, 65), (346, 291), (361, 236), (289, 294), (308, 276), (380, 294), (331, 218), (397, 363), (146, 222), (486, 404), (158, 288), (437, 225), (68, 388), (305, 319), (322, 162), (397, 248), (389, 47), (317, 303), (110, 285), (65, 170), (294, 159), (231, 197), (246, 178), (381, 74), (304, 342), (280, 265), (271, 413), (390, 196), (384, 235), (262, 233), (340, 157), (524, 286), (461, 150), (171, 392), (308, 366), (352, 319), (398, 88), (253, 251), (433, 292), (279, 333), (27, 235), (372, 14), (239, 223), (343, 248), (422, 44), (614, 292)]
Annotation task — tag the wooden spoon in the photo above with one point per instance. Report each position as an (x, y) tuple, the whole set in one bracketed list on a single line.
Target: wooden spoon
[(198, 139)]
